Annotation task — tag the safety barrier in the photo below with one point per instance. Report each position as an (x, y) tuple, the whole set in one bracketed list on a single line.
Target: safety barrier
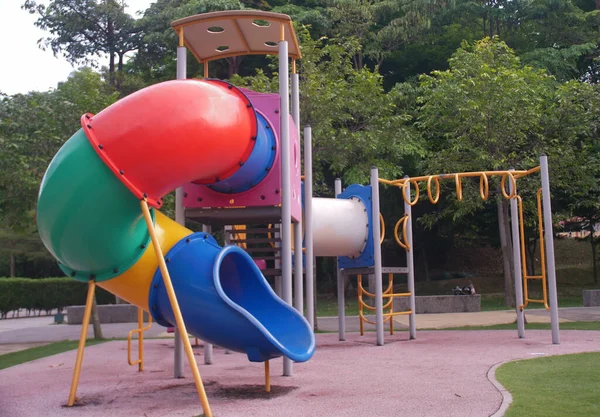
[(140, 331)]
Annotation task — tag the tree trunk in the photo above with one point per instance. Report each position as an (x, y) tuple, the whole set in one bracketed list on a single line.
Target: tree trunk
[(593, 244), (96, 321), (12, 265), (119, 76), (531, 248), (507, 252), (110, 39)]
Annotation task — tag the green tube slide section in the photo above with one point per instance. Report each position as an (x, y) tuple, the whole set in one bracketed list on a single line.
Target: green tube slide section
[(87, 218)]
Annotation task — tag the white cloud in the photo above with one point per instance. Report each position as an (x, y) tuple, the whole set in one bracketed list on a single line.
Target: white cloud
[(24, 66)]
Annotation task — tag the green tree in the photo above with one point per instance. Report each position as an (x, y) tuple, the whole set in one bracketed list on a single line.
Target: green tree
[(355, 123), (486, 112), (85, 30), (33, 127)]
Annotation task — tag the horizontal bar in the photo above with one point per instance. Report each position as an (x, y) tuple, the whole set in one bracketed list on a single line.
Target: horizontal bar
[(371, 270), (255, 240), (516, 174), (534, 277)]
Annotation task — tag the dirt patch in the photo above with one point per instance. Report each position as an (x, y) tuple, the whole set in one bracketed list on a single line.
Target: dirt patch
[(250, 392)]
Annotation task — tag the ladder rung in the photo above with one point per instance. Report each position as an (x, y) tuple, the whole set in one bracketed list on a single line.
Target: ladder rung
[(256, 230), (256, 240), (266, 258), (265, 249), (534, 277)]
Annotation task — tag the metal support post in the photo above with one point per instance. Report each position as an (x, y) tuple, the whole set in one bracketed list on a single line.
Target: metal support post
[(410, 264), (340, 283), (308, 227), (549, 240), (286, 197), (377, 255), (298, 273), (516, 239), (208, 347), (179, 218)]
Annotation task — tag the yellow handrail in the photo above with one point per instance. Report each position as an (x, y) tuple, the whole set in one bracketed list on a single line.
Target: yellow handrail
[(140, 331), (382, 227), (404, 221)]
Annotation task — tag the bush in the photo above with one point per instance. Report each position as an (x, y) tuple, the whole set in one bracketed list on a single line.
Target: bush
[(45, 294)]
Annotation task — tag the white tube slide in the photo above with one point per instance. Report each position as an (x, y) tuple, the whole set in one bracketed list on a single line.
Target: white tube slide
[(340, 227)]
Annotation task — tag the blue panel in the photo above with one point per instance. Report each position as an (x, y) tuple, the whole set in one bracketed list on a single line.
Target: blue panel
[(225, 300), (366, 258), (258, 164)]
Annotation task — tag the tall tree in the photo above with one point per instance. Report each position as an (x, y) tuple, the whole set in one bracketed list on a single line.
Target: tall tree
[(84, 30), (486, 113)]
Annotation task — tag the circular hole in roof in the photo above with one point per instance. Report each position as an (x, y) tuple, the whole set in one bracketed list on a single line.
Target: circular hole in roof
[(222, 48), (215, 29), (261, 23), (271, 44)]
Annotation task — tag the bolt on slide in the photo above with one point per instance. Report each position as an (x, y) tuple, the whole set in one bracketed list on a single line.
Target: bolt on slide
[(143, 147)]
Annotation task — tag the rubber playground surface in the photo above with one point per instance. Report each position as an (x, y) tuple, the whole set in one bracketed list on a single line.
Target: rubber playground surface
[(441, 373)]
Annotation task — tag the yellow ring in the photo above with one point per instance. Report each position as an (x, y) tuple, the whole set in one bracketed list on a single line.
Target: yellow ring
[(484, 186), (404, 221), (417, 191), (436, 179), (514, 185), (382, 227), (458, 187)]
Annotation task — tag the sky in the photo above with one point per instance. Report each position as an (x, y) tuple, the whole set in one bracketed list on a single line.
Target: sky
[(24, 66)]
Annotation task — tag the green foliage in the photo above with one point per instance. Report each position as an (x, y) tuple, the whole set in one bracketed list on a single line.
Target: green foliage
[(356, 124), (33, 127), (45, 294)]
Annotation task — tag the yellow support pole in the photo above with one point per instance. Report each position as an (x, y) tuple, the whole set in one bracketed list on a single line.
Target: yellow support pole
[(267, 377), (82, 338), (360, 305), (176, 311), (141, 339), (391, 288)]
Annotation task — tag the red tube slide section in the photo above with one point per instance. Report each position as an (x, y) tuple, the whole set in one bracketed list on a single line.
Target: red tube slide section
[(173, 133)]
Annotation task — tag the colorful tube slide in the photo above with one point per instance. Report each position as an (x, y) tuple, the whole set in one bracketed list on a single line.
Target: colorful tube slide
[(143, 147)]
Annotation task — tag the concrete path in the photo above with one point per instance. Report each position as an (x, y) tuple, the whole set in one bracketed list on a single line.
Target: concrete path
[(33, 330), (442, 373)]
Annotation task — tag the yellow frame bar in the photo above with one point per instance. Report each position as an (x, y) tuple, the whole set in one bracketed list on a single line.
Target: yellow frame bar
[(457, 177), (140, 331), (82, 338), (176, 311), (543, 276), (267, 377)]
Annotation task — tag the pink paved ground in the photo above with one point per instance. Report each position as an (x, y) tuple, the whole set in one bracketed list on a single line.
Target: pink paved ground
[(442, 373)]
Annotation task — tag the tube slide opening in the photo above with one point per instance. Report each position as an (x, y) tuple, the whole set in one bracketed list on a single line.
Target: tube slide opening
[(240, 284)]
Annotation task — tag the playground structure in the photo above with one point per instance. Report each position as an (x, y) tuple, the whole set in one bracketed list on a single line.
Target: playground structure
[(233, 156)]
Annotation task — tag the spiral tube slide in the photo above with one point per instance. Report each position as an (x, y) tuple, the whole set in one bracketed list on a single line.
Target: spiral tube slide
[(143, 147)]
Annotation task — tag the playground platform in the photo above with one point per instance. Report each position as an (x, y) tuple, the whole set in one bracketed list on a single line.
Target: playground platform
[(442, 373)]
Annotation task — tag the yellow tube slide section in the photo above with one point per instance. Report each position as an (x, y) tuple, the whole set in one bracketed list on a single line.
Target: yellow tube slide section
[(133, 285)]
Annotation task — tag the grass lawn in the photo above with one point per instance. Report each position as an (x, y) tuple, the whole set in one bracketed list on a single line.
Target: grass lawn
[(574, 325), (22, 356), (553, 386)]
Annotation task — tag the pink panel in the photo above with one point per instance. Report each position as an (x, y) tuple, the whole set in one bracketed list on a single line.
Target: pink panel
[(268, 191)]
